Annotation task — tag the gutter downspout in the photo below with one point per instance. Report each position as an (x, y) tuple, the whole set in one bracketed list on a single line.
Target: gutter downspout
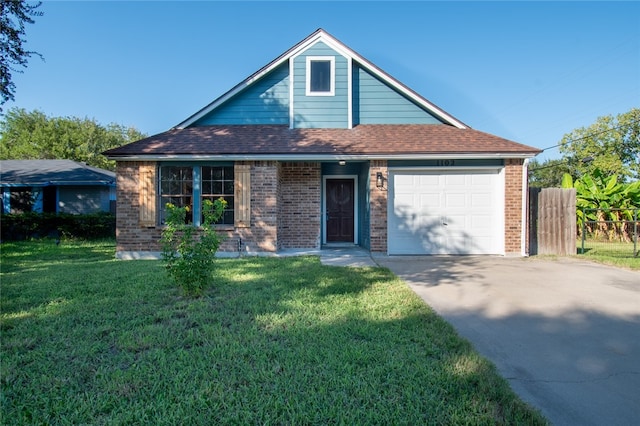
[(525, 208)]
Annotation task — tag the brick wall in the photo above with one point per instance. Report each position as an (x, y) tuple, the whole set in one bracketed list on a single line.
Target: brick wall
[(378, 208), (513, 221), (300, 209), (286, 209), (261, 236), (130, 235)]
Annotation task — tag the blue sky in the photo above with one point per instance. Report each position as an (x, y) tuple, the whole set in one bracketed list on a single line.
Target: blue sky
[(526, 71)]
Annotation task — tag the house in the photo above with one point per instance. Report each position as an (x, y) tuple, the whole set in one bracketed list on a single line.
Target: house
[(55, 186), (320, 147)]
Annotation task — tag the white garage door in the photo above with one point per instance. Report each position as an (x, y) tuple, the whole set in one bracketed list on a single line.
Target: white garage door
[(452, 212)]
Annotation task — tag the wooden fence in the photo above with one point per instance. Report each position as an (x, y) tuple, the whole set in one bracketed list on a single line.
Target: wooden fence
[(552, 221)]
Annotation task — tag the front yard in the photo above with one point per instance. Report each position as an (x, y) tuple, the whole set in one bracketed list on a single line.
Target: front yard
[(90, 340)]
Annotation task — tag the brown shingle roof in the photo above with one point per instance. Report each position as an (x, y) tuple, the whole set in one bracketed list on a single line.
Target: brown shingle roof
[(362, 140)]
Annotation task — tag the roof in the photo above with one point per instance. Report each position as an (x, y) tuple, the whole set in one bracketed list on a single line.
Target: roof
[(380, 141), (52, 173), (325, 37)]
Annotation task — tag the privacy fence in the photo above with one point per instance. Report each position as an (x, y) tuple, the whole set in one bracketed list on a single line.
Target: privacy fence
[(557, 227), (552, 221)]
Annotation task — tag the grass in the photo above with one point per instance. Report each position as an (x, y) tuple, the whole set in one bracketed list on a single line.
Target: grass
[(90, 340), (618, 254)]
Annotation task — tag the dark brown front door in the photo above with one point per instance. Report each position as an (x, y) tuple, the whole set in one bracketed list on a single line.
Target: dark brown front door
[(340, 208)]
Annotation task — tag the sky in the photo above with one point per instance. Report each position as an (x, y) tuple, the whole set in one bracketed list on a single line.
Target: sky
[(526, 71)]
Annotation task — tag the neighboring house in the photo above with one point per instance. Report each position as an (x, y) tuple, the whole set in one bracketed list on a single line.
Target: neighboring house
[(320, 147), (55, 186)]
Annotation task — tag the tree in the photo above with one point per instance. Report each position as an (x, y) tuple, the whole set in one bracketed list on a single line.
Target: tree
[(32, 135), (547, 174), (611, 143), (14, 15)]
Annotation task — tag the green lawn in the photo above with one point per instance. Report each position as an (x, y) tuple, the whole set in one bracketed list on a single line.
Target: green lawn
[(610, 252), (90, 340)]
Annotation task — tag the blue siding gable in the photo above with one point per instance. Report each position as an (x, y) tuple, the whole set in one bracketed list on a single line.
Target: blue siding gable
[(320, 111), (264, 102), (374, 102), (361, 94)]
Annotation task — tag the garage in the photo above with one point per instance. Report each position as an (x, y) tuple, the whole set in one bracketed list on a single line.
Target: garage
[(446, 212)]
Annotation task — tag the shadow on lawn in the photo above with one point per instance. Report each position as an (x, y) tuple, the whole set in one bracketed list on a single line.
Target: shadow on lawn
[(293, 340)]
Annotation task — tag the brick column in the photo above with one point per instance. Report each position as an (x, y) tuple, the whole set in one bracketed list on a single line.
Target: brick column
[(513, 220), (378, 206)]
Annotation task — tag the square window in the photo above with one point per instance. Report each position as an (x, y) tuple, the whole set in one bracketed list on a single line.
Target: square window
[(320, 75)]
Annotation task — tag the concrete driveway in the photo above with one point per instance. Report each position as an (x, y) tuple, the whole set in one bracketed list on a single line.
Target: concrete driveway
[(564, 333)]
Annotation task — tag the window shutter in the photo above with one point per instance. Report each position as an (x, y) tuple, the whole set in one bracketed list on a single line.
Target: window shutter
[(147, 194), (242, 196)]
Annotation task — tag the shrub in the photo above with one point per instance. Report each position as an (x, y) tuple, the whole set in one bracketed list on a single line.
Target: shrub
[(29, 225), (189, 252)]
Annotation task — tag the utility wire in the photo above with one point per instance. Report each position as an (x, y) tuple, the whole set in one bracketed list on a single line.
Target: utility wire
[(585, 160), (592, 134)]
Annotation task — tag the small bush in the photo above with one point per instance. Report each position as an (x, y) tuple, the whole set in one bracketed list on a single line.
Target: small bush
[(189, 252), (30, 225)]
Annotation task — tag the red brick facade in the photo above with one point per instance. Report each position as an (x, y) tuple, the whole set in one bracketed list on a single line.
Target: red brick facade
[(299, 217), (130, 235), (286, 209), (513, 220), (378, 212)]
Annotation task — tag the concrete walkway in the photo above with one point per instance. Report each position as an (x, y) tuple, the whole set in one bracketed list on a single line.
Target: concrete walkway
[(564, 333), (346, 256)]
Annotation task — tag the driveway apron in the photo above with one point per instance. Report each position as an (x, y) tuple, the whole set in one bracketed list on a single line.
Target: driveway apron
[(564, 333)]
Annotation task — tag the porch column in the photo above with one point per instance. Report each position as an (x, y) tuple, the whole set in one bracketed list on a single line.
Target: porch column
[(378, 205)]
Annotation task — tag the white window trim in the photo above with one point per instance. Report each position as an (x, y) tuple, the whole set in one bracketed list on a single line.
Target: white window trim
[(332, 61)]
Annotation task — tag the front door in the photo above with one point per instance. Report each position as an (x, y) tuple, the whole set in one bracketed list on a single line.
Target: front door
[(340, 210)]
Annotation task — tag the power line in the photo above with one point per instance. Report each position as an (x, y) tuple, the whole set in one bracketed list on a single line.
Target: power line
[(589, 159), (592, 134)]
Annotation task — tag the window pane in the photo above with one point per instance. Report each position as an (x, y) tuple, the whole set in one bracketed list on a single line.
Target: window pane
[(176, 187), (228, 173), (218, 182), (320, 80), (216, 172), (228, 217)]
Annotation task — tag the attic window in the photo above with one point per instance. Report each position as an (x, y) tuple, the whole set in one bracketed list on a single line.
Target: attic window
[(320, 75)]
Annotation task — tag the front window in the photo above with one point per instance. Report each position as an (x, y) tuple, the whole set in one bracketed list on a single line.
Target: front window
[(188, 186), (320, 75), (218, 182), (176, 187), (21, 200)]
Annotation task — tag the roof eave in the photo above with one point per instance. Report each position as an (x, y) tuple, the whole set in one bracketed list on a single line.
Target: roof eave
[(57, 183), (324, 157)]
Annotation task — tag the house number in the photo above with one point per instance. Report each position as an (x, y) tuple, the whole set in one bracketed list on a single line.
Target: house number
[(446, 163)]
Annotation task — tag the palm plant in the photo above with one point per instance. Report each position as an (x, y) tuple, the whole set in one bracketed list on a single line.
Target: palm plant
[(604, 206)]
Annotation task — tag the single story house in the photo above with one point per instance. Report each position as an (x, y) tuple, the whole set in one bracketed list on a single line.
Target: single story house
[(55, 186), (320, 147)]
